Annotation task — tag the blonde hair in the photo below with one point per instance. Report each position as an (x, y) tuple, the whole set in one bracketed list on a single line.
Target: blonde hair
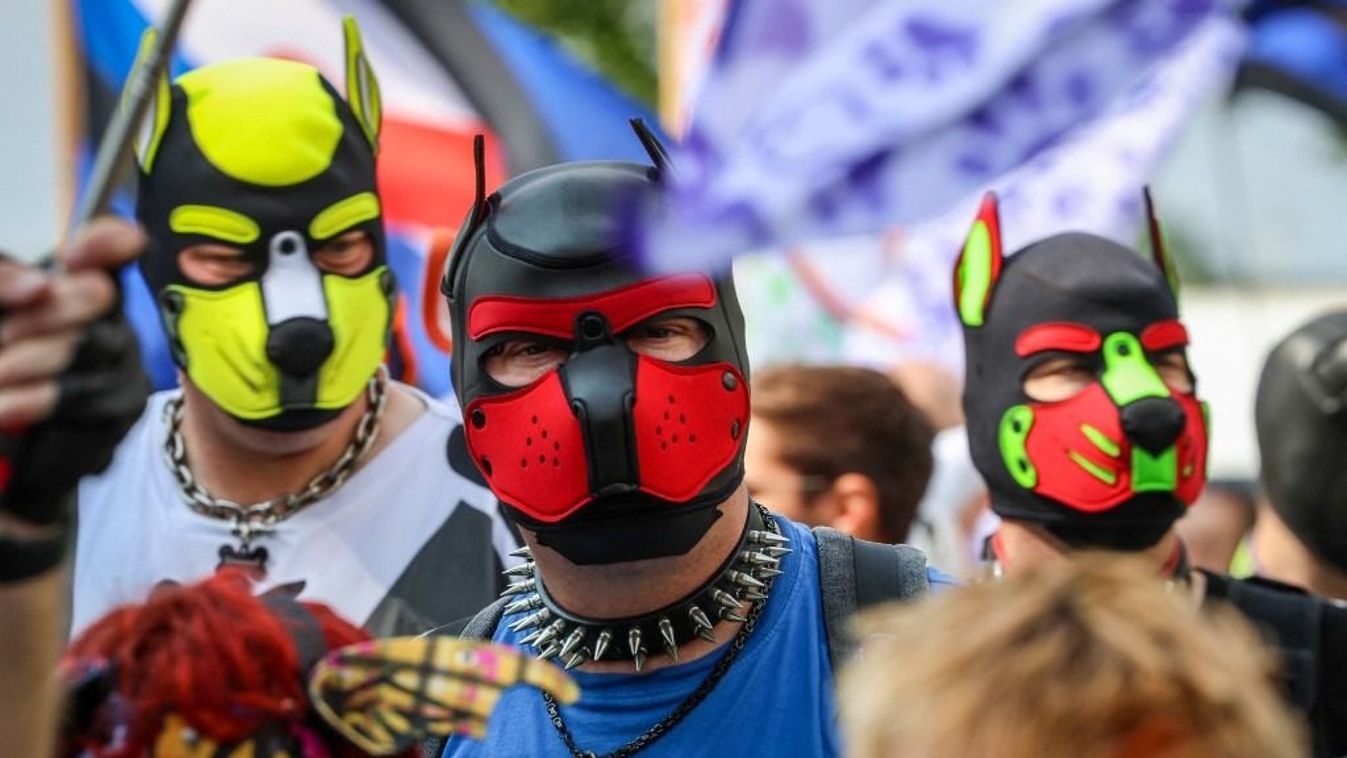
[(1091, 659)]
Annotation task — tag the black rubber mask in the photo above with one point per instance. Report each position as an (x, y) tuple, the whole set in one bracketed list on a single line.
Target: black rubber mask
[(612, 456), (1301, 418), (1114, 465)]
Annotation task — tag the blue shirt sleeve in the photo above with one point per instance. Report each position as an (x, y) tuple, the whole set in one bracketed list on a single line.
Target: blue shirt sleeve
[(940, 581)]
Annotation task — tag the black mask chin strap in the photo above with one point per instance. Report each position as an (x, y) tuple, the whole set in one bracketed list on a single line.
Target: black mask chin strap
[(629, 527)]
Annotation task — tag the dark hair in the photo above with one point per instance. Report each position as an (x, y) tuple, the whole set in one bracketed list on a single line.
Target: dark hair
[(834, 420)]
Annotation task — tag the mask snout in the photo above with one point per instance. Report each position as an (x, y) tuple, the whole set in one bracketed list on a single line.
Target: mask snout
[(299, 346), (1153, 423)]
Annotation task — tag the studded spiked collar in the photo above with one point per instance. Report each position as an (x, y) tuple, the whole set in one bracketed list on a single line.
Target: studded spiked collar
[(554, 632)]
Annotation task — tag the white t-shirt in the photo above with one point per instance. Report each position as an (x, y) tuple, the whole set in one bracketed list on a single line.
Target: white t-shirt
[(408, 542)]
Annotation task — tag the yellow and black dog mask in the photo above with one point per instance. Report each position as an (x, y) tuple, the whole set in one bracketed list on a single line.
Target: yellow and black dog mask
[(263, 155)]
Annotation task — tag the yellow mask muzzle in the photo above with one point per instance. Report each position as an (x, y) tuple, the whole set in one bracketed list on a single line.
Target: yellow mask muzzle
[(223, 336)]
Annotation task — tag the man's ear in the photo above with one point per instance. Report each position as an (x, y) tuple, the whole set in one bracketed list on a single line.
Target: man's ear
[(857, 508)]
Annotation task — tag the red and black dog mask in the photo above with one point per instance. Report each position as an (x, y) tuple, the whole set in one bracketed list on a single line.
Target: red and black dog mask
[(1115, 465), (613, 456)]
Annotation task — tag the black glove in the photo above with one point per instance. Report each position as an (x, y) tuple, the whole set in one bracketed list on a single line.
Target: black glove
[(102, 393)]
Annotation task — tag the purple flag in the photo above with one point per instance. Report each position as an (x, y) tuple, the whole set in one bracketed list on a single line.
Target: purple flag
[(822, 118)]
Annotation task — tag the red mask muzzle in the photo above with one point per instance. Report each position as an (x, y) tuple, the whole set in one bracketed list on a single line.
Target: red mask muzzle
[(1076, 452), (686, 424)]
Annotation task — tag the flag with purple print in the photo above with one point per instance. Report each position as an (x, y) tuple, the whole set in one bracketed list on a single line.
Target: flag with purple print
[(889, 113)]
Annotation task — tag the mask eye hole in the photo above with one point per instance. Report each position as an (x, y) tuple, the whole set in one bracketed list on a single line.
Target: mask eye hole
[(1172, 366), (1059, 378), (214, 265), (521, 362), (346, 254), (669, 338)]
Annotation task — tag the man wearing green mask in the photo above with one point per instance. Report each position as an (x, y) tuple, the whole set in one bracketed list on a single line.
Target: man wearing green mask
[(288, 449)]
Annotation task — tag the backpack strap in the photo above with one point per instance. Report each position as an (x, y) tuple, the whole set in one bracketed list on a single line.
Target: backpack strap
[(481, 626), (855, 574)]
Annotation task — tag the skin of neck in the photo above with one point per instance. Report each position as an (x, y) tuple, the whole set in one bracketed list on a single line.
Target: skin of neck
[(219, 445), (1022, 546), (1282, 556), (631, 588)]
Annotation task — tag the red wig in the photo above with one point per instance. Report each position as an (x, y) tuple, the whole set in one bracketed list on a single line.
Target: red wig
[(212, 653)]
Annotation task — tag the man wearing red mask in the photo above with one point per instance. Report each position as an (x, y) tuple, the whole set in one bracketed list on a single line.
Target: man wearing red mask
[(607, 410)]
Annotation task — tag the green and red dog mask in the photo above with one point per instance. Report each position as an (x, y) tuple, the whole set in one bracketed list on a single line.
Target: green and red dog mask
[(1116, 463)]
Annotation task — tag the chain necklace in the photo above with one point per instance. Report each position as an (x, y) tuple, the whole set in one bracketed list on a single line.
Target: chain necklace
[(684, 708), (248, 522)]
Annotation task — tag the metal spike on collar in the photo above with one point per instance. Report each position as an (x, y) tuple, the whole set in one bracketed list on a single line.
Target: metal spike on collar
[(550, 633), (549, 652), (729, 615), (762, 537), (602, 642), (531, 603), (575, 660), (530, 621), (753, 558), (777, 552), (530, 637), (744, 580), (666, 633), (523, 569), (752, 595), (521, 552), (701, 623), (767, 573), (635, 646), (519, 588), (724, 598), (573, 642)]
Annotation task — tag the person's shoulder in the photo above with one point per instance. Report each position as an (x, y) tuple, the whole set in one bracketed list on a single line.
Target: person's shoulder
[(445, 411)]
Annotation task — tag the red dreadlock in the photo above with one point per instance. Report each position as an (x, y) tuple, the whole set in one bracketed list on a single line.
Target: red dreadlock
[(211, 653)]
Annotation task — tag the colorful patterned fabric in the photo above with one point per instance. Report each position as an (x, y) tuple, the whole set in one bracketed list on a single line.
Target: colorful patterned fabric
[(389, 695)]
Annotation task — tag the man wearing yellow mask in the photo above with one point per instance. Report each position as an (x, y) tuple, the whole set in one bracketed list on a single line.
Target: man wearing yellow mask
[(288, 450)]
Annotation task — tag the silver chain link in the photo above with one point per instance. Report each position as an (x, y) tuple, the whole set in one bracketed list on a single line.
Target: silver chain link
[(249, 521)]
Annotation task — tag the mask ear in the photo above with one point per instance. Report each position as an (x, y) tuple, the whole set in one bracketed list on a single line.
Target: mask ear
[(362, 89), (979, 265), (155, 123), (1159, 253), (475, 217), (653, 147)]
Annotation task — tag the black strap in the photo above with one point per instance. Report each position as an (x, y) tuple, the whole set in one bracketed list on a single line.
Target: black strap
[(855, 574)]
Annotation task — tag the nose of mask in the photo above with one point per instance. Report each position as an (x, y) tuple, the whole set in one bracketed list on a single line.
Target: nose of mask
[(1153, 423), (299, 346)]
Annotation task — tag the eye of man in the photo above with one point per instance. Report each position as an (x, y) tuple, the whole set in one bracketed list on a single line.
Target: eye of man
[(213, 264), (1057, 379), (347, 254), (1172, 367), (669, 339), (520, 362)]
